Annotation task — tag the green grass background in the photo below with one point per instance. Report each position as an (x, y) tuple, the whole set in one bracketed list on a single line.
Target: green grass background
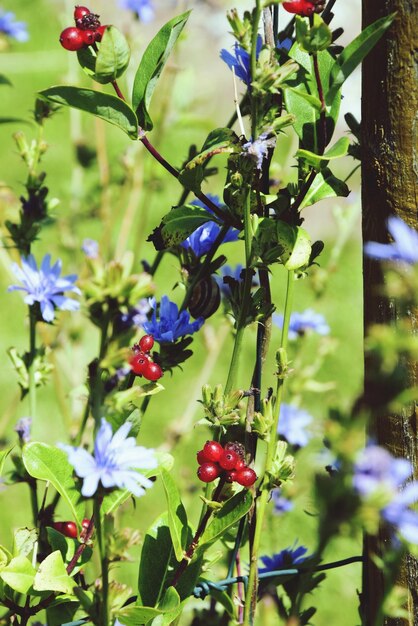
[(194, 96)]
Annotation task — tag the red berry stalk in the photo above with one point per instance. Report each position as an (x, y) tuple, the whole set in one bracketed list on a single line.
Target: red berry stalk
[(192, 547)]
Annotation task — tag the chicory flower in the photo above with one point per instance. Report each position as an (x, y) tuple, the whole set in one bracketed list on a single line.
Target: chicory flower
[(170, 324)]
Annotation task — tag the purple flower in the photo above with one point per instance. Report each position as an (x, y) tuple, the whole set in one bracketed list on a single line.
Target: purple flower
[(171, 324), (300, 323), (45, 286), (285, 559), (292, 423), (16, 30), (377, 468), (281, 504), (116, 457), (240, 61), (22, 428), (90, 248), (404, 247), (203, 238), (258, 149), (143, 9), (137, 316), (378, 472)]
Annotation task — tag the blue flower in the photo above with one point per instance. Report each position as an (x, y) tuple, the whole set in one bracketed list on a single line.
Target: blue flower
[(404, 247), (45, 286), (300, 323), (240, 61), (202, 239), (16, 30), (285, 44), (281, 504), (292, 423), (22, 428), (258, 149), (285, 559), (143, 9), (171, 324), (116, 457), (378, 472), (90, 248)]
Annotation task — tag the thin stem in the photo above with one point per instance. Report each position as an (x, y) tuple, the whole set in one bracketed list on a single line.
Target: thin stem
[(101, 538), (31, 369), (251, 596), (241, 321), (254, 37), (322, 117)]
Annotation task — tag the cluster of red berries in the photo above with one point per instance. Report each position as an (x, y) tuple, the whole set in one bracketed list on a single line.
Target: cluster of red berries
[(141, 362), (69, 529), (304, 7), (86, 32), (228, 460)]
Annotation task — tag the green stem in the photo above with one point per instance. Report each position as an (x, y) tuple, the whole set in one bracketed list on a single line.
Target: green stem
[(31, 369), (101, 538), (241, 322), (254, 36), (251, 596)]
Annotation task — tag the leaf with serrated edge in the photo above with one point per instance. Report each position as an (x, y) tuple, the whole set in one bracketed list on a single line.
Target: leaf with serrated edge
[(51, 464), (151, 66), (103, 105)]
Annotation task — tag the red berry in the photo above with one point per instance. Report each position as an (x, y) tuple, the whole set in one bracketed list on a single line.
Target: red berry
[(89, 37), (208, 472), (231, 476), (146, 343), (85, 523), (80, 12), (72, 39), (228, 460), (201, 458), (100, 32), (69, 529), (240, 464), (213, 451), (246, 477), (301, 7), (152, 371), (138, 363)]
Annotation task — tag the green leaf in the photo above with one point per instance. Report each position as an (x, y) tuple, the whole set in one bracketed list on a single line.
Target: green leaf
[(24, 541), (103, 105), (355, 52), (313, 39), (296, 245), (231, 512), (14, 120), (133, 615), (51, 464), (113, 56), (52, 575), (121, 400), (181, 222), (67, 547), (223, 598), (339, 149), (157, 553), (151, 66), (19, 574), (325, 185), (301, 97), (218, 141), (5, 557), (177, 516)]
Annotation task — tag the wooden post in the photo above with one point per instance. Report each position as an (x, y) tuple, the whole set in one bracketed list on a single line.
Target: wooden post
[(389, 187)]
